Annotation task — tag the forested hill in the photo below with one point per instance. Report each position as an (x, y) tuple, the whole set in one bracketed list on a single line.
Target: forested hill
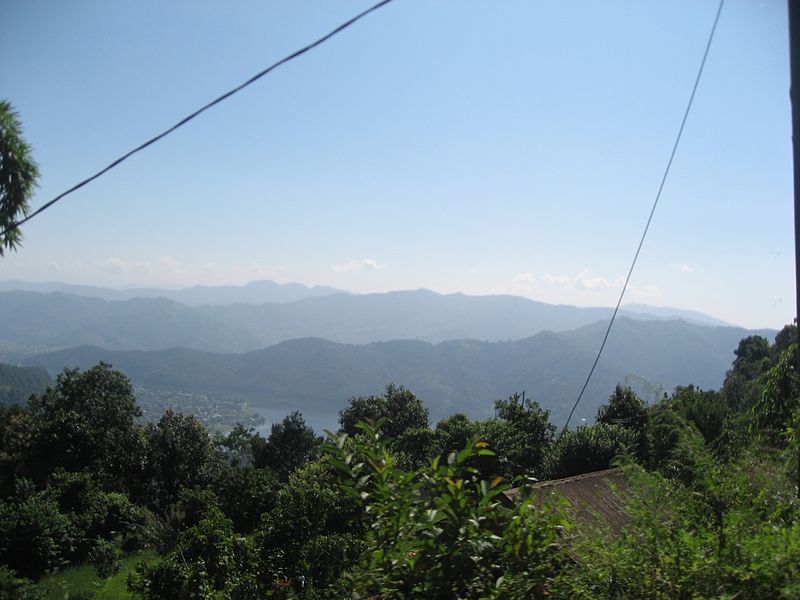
[(317, 376), (18, 383), (37, 322)]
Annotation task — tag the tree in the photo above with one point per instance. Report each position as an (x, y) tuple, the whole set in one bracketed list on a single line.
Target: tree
[(210, 561), (399, 408), (18, 174), (313, 531), (291, 444), (245, 493), (180, 454), (703, 408), (675, 447), (773, 411), (743, 386), (590, 448), (520, 436), (626, 409), (86, 422), (453, 433), (34, 535)]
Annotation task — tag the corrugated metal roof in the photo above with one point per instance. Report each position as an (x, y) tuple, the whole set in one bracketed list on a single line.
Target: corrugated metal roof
[(592, 501)]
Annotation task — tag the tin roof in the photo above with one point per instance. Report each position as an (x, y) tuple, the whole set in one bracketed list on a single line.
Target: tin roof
[(593, 500)]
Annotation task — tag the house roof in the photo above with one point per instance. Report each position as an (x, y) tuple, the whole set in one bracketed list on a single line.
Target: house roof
[(593, 500)]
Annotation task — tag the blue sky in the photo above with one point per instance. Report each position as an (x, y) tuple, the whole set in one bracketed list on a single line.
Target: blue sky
[(481, 147)]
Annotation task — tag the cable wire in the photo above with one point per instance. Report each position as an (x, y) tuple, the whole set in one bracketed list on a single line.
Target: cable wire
[(649, 218), (196, 113)]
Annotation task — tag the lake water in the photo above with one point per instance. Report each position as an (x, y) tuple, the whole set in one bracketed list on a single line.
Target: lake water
[(319, 422)]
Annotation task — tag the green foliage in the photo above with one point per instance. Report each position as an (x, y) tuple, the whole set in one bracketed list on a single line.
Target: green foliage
[(783, 339), (732, 541), (399, 510), (86, 422), (675, 447), (17, 588), (291, 444), (454, 432), (705, 409), (18, 175), (17, 384), (398, 409), (590, 448), (624, 408), (105, 559), (441, 532), (309, 513), (779, 400), (94, 514), (17, 429), (180, 454), (238, 448), (34, 535), (742, 387), (521, 435), (82, 581), (416, 447), (245, 493), (210, 561)]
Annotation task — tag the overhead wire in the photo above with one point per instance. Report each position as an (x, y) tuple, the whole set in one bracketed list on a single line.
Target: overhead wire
[(196, 113), (650, 217)]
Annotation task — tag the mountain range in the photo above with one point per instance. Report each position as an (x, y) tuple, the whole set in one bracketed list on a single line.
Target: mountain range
[(293, 347), (317, 376), (36, 322), (254, 292)]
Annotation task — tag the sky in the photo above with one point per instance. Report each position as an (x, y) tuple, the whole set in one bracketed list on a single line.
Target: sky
[(460, 146)]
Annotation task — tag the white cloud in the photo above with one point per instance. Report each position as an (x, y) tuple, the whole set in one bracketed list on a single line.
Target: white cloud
[(524, 278), (115, 265), (683, 268), (599, 283), (647, 292), (366, 264), (255, 271), (169, 263), (582, 288), (557, 279)]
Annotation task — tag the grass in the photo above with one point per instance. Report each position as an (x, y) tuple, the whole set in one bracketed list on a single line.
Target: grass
[(81, 581)]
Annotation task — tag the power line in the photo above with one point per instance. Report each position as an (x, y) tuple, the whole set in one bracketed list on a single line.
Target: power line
[(196, 113), (650, 218)]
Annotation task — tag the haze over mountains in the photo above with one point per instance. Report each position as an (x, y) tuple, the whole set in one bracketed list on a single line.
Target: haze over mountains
[(254, 292), (312, 353), (38, 322), (318, 376)]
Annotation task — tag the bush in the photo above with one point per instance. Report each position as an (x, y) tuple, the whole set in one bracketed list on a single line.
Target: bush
[(441, 531), (105, 559)]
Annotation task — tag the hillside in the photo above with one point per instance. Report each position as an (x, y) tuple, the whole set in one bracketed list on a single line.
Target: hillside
[(38, 322), (43, 321), (18, 383), (317, 376)]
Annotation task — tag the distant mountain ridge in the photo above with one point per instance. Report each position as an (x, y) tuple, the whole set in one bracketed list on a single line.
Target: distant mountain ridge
[(36, 322), (318, 376), (255, 292)]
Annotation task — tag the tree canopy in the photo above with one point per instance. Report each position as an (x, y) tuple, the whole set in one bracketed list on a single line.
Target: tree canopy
[(18, 175)]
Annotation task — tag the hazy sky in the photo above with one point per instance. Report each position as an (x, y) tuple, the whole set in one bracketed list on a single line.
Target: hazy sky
[(482, 147)]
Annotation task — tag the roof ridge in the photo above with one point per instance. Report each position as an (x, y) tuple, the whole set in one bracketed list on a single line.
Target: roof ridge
[(580, 477)]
